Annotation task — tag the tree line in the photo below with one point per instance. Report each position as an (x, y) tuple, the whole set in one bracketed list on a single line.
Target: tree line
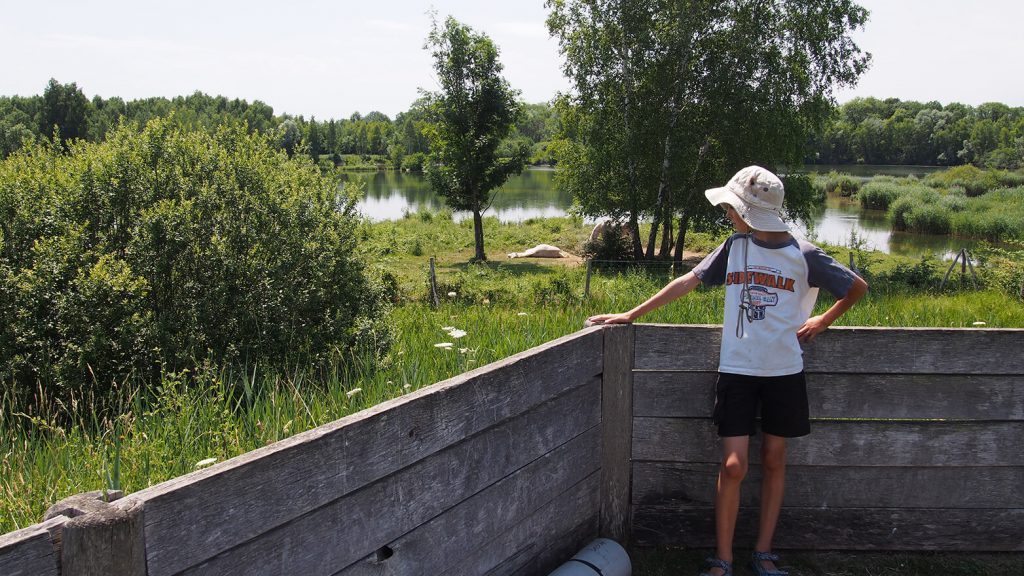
[(65, 111), (861, 131), (891, 131)]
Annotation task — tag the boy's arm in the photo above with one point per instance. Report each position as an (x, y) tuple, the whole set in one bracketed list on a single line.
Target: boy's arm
[(672, 291), (818, 324)]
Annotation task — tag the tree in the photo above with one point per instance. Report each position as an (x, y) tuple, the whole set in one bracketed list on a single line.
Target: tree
[(475, 109), (65, 108), (314, 140), (672, 96)]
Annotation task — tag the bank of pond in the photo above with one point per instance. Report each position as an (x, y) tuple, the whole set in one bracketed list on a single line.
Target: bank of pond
[(905, 210)]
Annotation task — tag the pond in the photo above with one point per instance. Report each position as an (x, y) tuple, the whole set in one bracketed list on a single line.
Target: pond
[(532, 194)]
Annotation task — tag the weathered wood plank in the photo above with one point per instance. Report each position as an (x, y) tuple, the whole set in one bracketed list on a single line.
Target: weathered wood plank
[(850, 350), (671, 347), (194, 517), (975, 530), (554, 555), (954, 397), (840, 486), (489, 514), (846, 443), (30, 551), (617, 430), (540, 543), (369, 518)]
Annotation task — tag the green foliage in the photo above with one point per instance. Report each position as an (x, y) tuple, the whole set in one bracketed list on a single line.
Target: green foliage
[(676, 97), (413, 162), (891, 131), (164, 245), (941, 205), (972, 180), (63, 111), (841, 184), (879, 194), (474, 112)]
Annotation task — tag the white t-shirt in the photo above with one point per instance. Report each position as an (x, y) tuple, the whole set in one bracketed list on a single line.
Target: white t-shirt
[(769, 293)]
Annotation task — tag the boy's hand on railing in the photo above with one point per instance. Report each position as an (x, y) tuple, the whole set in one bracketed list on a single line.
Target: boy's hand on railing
[(608, 319)]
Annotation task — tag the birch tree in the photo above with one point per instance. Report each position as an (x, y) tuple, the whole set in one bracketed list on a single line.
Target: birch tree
[(672, 96)]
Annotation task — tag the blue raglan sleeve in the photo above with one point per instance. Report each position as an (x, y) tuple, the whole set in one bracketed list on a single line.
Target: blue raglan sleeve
[(712, 268), (823, 271)]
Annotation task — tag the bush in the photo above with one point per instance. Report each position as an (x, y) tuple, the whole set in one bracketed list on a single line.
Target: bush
[(973, 180), (842, 184), (413, 162), (161, 245), (879, 195)]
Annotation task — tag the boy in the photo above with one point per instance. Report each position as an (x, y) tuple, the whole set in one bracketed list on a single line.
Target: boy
[(771, 282)]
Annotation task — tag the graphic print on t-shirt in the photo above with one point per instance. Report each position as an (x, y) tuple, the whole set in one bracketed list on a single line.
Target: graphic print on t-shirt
[(756, 295)]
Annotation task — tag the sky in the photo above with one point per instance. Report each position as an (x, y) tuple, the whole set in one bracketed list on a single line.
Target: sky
[(329, 59)]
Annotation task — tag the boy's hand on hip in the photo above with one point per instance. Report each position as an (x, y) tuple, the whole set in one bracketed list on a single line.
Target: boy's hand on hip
[(812, 327)]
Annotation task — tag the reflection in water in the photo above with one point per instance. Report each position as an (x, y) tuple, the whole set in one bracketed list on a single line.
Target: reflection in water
[(532, 194), (841, 218)]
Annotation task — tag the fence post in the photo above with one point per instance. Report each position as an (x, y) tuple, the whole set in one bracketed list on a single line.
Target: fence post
[(617, 433), (586, 286), (102, 538), (433, 285)]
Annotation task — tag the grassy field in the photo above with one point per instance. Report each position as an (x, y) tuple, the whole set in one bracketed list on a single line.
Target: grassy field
[(504, 306)]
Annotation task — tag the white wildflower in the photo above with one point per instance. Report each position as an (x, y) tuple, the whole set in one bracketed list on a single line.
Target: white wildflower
[(205, 463), (456, 333), (979, 323), (445, 345), (353, 392), (522, 314), (452, 294)]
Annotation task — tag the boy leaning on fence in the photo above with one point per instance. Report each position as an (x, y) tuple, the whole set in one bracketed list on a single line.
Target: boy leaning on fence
[(771, 282)]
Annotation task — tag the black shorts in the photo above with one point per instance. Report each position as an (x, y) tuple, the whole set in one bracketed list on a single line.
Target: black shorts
[(782, 400)]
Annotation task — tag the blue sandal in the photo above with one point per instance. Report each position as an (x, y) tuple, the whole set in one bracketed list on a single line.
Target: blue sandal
[(715, 562), (755, 563)]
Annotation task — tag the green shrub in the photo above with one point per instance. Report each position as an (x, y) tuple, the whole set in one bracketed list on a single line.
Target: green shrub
[(413, 162), (162, 245), (842, 184), (879, 194), (973, 180)]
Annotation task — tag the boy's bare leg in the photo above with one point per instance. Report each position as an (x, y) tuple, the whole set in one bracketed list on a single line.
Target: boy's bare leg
[(733, 469), (773, 484)]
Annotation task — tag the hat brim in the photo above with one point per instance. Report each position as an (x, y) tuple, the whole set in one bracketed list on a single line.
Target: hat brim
[(757, 218)]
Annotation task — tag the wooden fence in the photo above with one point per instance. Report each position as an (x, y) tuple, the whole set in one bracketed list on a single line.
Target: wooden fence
[(915, 444), (510, 468)]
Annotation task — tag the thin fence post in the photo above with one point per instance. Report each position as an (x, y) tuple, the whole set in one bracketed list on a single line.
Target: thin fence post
[(948, 271), (974, 276), (586, 286), (434, 299), (963, 266)]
